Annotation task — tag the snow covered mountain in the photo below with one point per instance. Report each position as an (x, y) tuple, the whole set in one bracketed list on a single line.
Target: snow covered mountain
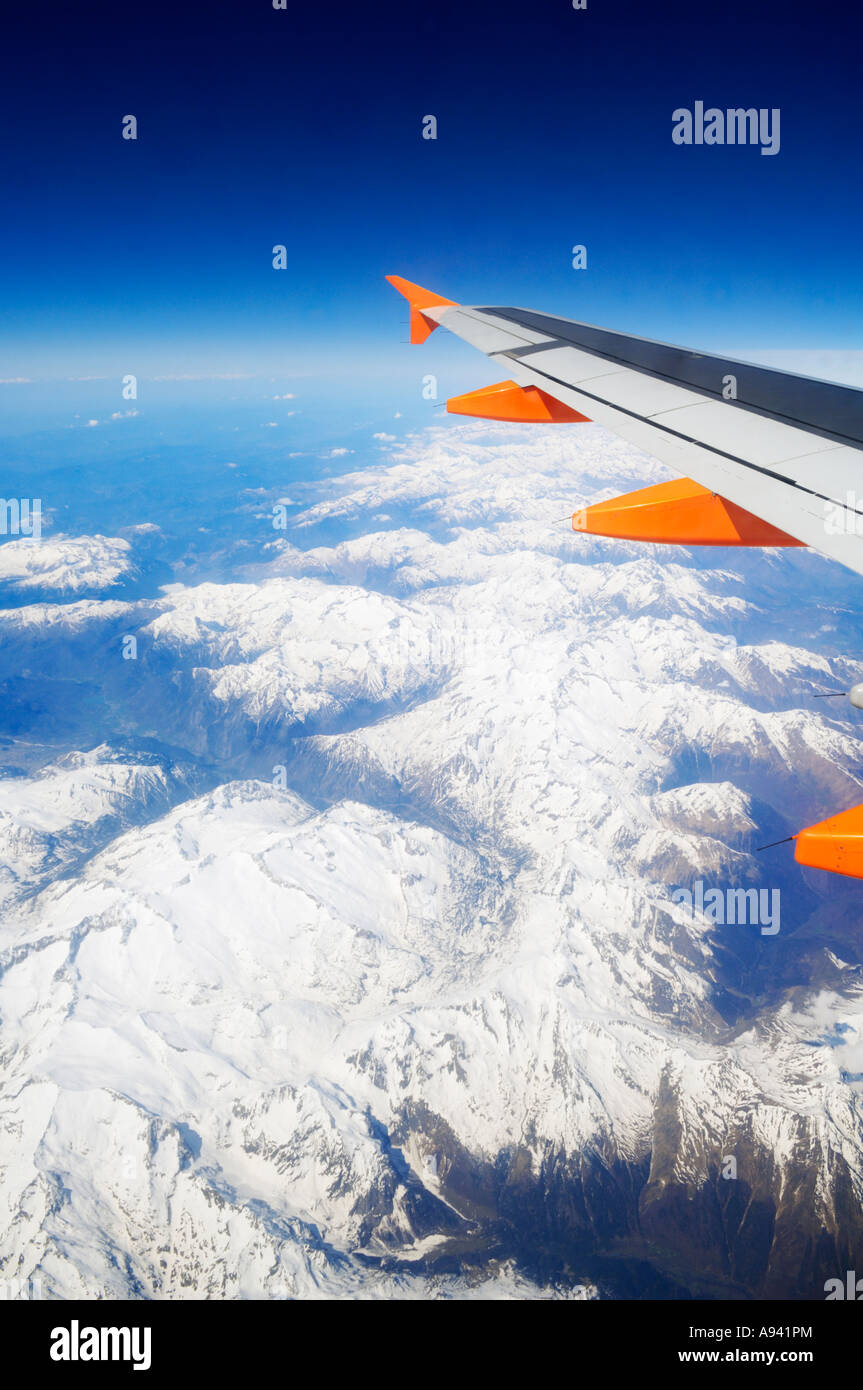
[(341, 955), (66, 564)]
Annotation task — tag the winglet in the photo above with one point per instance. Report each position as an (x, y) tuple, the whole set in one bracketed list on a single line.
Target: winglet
[(419, 299)]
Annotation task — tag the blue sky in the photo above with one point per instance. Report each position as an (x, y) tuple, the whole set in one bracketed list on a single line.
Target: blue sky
[(259, 127)]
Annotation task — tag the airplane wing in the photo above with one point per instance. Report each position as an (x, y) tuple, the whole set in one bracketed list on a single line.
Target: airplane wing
[(766, 457), (785, 450)]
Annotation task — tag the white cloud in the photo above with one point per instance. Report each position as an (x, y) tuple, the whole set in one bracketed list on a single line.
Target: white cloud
[(204, 376)]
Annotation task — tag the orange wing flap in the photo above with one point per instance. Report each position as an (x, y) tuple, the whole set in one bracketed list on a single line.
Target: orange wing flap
[(835, 844), (680, 512), (508, 401)]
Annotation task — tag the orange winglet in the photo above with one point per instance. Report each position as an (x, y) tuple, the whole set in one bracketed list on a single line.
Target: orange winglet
[(419, 299), (508, 401), (835, 844), (680, 512)]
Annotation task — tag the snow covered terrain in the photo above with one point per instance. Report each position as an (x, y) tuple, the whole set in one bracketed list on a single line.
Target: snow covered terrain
[(66, 564), (340, 954)]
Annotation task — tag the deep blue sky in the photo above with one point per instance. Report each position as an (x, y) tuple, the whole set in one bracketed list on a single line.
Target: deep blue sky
[(259, 126)]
